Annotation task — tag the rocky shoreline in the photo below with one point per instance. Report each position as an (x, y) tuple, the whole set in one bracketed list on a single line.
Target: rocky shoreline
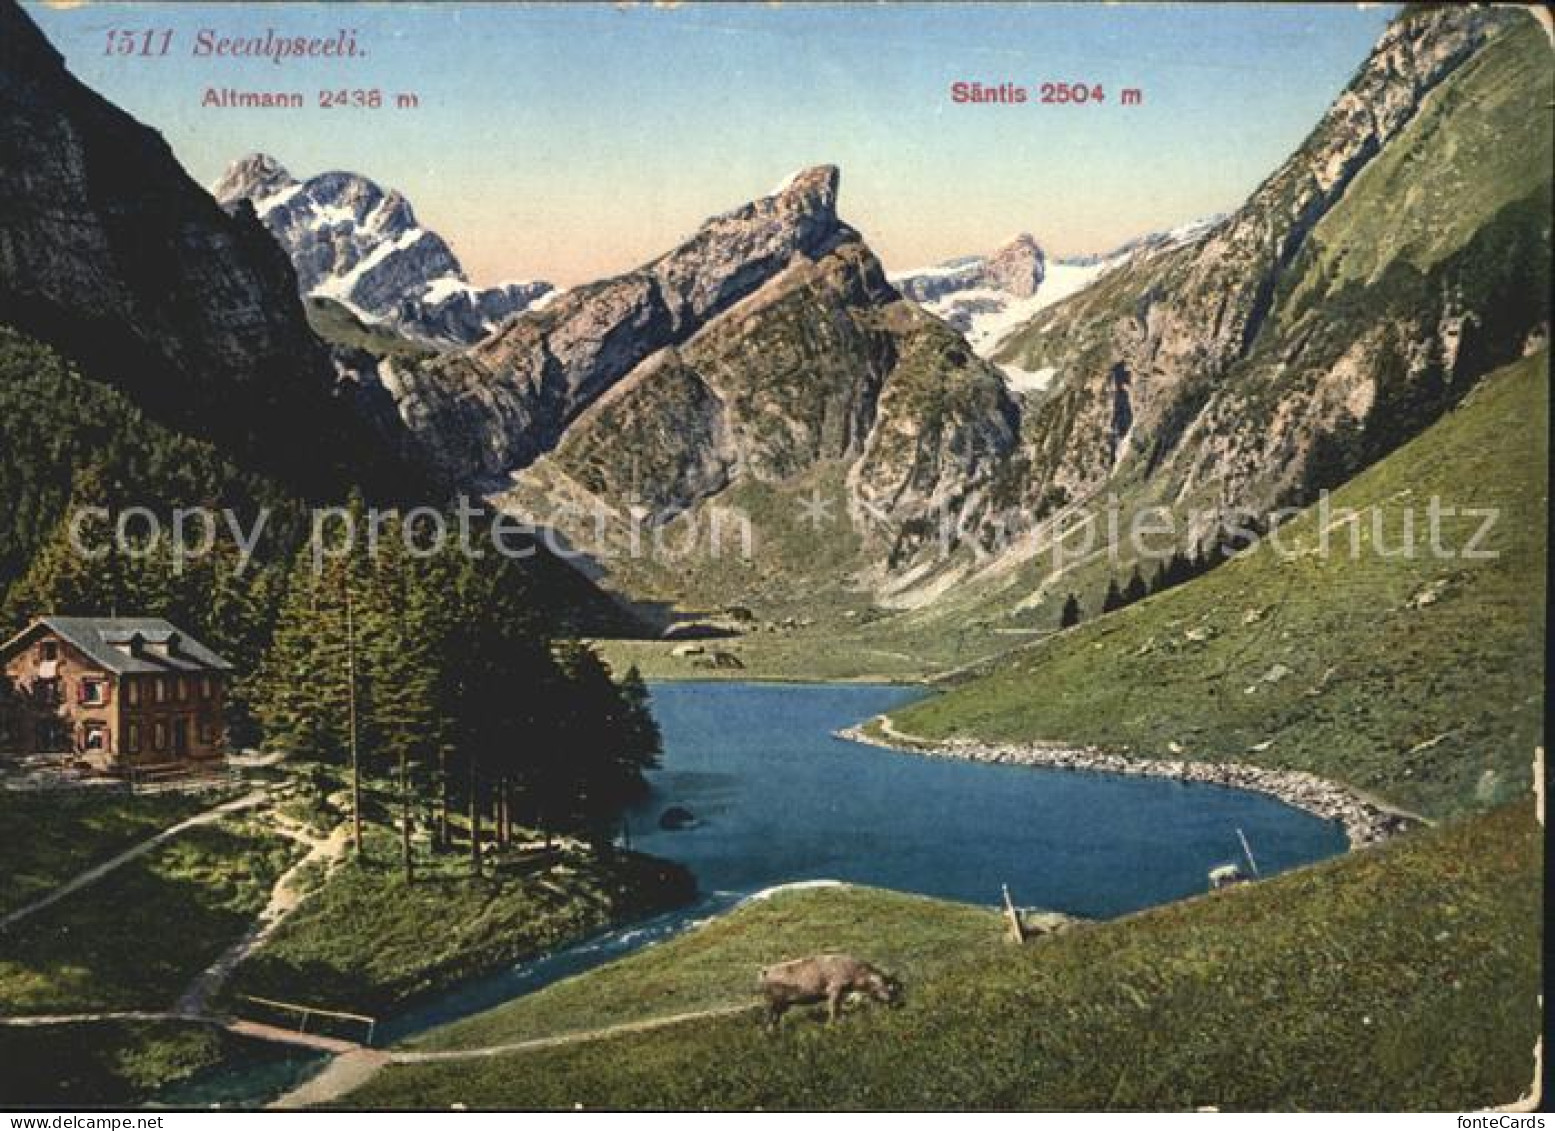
[(1364, 821)]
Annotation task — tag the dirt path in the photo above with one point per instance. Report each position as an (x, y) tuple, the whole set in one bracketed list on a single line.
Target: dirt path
[(258, 1031), (351, 1070), (285, 897), (92, 875), (40, 1019), (344, 1074), (533, 1044)]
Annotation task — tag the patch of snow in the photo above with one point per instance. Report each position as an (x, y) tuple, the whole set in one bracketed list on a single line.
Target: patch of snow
[(989, 329), (275, 200), (1192, 230), (938, 271), (445, 288), (797, 885), (379, 217), (331, 216), (342, 285), (990, 315), (1028, 380)]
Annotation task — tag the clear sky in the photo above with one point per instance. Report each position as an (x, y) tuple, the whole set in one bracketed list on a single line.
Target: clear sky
[(572, 141)]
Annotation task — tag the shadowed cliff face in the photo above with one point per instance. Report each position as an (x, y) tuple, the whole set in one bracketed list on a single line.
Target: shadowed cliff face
[(109, 252)]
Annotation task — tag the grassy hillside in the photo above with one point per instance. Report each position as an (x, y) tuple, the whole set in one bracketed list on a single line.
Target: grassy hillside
[(1418, 678), (333, 322), (1402, 976), (1473, 150)]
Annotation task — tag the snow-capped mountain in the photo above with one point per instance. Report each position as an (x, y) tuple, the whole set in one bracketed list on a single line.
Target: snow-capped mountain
[(988, 297), (356, 243)]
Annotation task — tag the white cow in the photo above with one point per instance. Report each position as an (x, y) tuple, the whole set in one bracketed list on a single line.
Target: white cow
[(1226, 875)]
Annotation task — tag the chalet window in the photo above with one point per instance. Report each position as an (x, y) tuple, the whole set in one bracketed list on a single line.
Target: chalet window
[(132, 692), (94, 692), (207, 687), (159, 736), (48, 651), (95, 740), (132, 738), (159, 689), (181, 689)]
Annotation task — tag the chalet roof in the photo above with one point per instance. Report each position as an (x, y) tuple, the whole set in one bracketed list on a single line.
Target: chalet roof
[(111, 643)]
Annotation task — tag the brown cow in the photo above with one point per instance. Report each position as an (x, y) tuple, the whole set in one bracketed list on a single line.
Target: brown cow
[(826, 977)]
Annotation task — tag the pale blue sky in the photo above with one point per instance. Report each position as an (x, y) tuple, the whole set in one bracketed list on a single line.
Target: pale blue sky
[(567, 142)]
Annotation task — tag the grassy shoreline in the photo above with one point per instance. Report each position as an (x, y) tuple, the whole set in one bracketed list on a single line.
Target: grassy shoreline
[(1366, 820)]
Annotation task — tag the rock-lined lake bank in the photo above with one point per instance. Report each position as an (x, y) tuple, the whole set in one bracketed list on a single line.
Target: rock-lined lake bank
[(1365, 822)]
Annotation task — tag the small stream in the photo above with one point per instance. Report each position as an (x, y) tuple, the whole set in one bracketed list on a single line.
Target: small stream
[(778, 799)]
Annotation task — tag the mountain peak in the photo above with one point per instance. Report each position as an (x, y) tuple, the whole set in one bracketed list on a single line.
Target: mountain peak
[(358, 243), (814, 188), (1018, 267), (253, 176)]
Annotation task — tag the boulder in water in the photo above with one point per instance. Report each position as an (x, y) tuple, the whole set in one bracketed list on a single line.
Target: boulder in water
[(677, 817)]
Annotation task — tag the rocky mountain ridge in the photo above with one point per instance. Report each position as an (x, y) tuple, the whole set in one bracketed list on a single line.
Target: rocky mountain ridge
[(1016, 269), (491, 410), (770, 347), (356, 243), (765, 348), (990, 297), (1193, 369)]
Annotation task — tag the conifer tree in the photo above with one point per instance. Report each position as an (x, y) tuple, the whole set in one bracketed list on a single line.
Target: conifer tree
[(399, 660), (1113, 599), (1135, 590)]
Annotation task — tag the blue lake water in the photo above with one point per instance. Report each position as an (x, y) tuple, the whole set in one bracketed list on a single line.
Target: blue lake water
[(778, 799)]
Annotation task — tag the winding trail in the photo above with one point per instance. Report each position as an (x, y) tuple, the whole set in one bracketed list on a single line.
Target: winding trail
[(287, 894), (255, 1030), (353, 1068), (92, 875), (38, 1020), (194, 1004)]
